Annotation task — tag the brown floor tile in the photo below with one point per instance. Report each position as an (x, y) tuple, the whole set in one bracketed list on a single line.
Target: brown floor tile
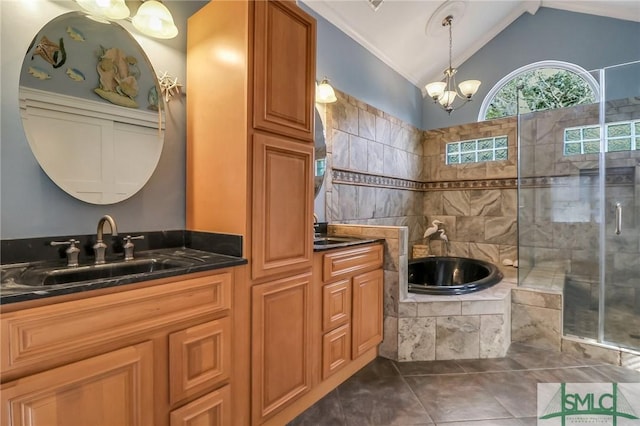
[(515, 390), (490, 364), (449, 398)]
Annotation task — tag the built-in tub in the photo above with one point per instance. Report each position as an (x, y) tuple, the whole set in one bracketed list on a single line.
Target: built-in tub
[(451, 275)]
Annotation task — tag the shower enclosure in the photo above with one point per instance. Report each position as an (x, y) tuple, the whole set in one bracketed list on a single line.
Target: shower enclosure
[(579, 208)]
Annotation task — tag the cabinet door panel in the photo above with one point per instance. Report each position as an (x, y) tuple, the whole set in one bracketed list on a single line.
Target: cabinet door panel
[(367, 311), (199, 358), (336, 304), (280, 328), (111, 389), (336, 350), (213, 409), (284, 63), (282, 217)]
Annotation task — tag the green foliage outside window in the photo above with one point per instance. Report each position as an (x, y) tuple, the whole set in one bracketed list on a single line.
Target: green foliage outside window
[(541, 89)]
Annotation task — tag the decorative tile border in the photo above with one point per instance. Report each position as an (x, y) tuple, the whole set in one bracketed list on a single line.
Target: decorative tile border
[(364, 179), (348, 177)]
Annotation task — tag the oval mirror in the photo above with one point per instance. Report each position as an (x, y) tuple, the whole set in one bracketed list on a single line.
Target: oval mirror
[(90, 108), (320, 152)]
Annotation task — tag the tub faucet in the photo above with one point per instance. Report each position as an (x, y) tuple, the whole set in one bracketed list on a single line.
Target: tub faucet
[(99, 248)]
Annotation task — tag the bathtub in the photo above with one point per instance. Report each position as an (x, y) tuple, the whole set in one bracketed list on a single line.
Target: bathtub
[(451, 275)]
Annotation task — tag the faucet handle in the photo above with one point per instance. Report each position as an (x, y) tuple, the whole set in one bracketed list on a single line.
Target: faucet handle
[(128, 246), (72, 252)]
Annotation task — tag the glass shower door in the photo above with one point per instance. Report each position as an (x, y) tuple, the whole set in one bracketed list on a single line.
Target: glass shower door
[(620, 234)]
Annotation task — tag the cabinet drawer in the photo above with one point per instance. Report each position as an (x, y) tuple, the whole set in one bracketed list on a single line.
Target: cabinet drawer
[(336, 305), (343, 262), (213, 409), (199, 358), (336, 350), (115, 388), (52, 335)]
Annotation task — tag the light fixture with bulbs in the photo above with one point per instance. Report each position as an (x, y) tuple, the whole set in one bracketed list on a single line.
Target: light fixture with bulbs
[(152, 18), (102, 10), (445, 92), (324, 92)]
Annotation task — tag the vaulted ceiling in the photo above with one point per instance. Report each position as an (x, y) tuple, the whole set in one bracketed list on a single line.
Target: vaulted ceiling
[(408, 35)]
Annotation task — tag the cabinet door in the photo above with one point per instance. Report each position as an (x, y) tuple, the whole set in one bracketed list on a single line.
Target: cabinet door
[(336, 304), (336, 350), (280, 328), (284, 69), (213, 409), (367, 311), (111, 389), (199, 358), (282, 216)]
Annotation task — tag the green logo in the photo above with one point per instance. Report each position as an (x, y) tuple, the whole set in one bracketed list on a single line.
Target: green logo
[(587, 405)]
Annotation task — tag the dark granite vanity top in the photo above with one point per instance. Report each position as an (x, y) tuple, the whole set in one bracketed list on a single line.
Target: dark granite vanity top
[(330, 242), (161, 255)]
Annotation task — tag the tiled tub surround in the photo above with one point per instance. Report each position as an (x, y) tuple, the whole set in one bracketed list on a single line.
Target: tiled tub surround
[(422, 327)]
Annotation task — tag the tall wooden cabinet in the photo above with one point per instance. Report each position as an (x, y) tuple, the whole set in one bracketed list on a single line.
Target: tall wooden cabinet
[(250, 104)]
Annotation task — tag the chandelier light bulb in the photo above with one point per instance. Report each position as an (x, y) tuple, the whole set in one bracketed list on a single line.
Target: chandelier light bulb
[(469, 88), (105, 9)]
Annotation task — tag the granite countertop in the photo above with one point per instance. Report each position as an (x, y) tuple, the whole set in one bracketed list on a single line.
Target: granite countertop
[(184, 261), (330, 242)]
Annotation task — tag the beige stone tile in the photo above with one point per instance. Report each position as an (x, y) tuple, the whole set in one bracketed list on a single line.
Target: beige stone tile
[(440, 308), (391, 293), (494, 336), (486, 252), (366, 124), (536, 298), (389, 346), (407, 309), (458, 337), (482, 307), (585, 350), (536, 326), (416, 339)]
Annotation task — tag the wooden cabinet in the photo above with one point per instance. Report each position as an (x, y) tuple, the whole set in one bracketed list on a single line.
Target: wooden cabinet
[(111, 389), (124, 357), (284, 70), (251, 69), (282, 220), (213, 409), (281, 334), (367, 311), (352, 304)]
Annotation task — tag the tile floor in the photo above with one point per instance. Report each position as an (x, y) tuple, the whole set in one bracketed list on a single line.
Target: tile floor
[(485, 392)]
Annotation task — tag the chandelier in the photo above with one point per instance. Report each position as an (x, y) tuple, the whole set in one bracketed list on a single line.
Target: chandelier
[(445, 92)]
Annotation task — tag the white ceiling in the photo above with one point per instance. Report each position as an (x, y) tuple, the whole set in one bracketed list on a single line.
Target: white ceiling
[(400, 33)]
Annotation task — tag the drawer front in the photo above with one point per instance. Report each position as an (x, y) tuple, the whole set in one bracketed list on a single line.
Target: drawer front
[(213, 409), (115, 388), (344, 262), (52, 335), (336, 305), (336, 350), (199, 358)]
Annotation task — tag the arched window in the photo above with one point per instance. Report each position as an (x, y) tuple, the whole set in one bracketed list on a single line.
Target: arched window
[(543, 85)]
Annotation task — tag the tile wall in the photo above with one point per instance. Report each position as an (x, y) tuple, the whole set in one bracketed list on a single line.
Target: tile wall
[(478, 201), (384, 154)]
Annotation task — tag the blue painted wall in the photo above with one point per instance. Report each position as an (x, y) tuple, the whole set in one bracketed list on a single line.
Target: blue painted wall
[(587, 40), (355, 71)]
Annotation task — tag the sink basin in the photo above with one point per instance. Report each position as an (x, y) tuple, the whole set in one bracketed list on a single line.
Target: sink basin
[(39, 276), (329, 240)]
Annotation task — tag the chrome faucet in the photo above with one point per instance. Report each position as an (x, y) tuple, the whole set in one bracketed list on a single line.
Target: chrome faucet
[(99, 248)]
